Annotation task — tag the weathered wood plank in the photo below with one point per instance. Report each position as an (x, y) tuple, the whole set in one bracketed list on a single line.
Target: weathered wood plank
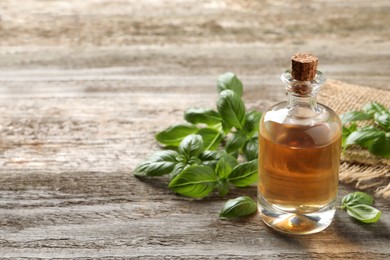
[(144, 66)]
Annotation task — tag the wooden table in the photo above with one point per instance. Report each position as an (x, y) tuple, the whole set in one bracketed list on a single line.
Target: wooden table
[(79, 107)]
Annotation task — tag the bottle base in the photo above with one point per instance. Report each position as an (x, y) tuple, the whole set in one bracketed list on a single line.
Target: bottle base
[(296, 223)]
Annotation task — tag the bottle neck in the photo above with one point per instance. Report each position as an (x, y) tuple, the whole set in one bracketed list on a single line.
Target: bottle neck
[(302, 95), (295, 99)]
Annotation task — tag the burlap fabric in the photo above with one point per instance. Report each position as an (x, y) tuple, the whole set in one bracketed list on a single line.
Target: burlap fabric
[(358, 166)]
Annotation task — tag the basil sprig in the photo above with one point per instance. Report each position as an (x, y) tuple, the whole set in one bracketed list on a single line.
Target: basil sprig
[(375, 137), (204, 150), (359, 206)]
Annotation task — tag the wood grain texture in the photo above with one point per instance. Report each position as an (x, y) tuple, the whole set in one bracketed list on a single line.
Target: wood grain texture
[(84, 86), (67, 190)]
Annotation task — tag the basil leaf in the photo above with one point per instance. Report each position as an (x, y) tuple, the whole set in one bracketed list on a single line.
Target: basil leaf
[(231, 108), (372, 108), (194, 181), (381, 146), (229, 159), (223, 168), (354, 116), (235, 154), (347, 131), (160, 163), (251, 149), (235, 142), (223, 187), (376, 140), (211, 138), (382, 118), (238, 207), (364, 213), (229, 81), (226, 128), (364, 137), (244, 174), (252, 122), (172, 136), (194, 161), (225, 160), (202, 116), (210, 158), (179, 167), (356, 198), (191, 146), (358, 205)]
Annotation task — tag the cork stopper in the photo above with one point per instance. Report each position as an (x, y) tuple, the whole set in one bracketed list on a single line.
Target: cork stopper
[(304, 66)]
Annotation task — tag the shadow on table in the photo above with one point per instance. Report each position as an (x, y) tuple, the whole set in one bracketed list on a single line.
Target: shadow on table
[(356, 231)]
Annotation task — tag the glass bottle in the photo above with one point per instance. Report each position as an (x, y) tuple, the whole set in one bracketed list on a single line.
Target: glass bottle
[(299, 155)]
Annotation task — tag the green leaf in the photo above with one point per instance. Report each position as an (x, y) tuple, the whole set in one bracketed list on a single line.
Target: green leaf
[(226, 128), (223, 168), (223, 187), (251, 149), (210, 158), (354, 116), (235, 154), (160, 163), (229, 159), (202, 116), (364, 213), (358, 205), (239, 207), (237, 140), (364, 137), (252, 122), (381, 146), (376, 140), (372, 108), (231, 108), (194, 181), (191, 146), (210, 155), (347, 131), (194, 161), (173, 135), (356, 198), (179, 167), (244, 174), (382, 118), (229, 81), (211, 138)]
